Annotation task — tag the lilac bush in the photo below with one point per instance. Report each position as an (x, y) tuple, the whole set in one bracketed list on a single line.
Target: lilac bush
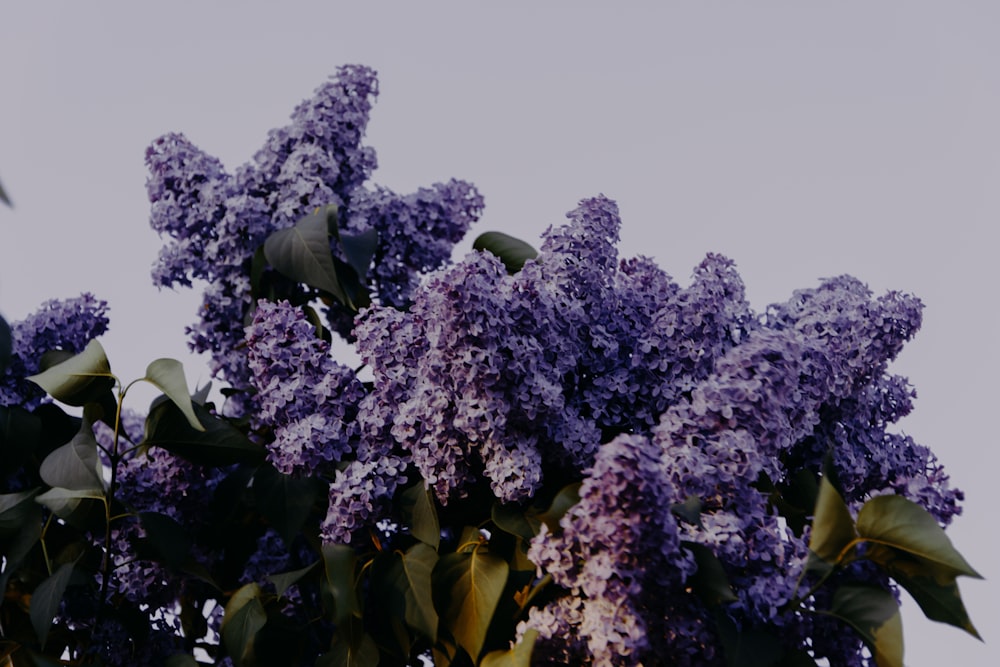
[(551, 457)]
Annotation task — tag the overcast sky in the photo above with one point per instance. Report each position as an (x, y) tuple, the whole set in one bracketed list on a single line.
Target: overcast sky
[(802, 141)]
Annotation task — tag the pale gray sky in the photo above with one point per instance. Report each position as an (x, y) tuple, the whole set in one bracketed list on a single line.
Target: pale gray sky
[(801, 140)]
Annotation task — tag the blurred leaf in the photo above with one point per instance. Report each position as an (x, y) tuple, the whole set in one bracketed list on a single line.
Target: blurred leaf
[(747, 648), (168, 538), (167, 375), (832, 526), (302, 252), (340, 562), (899, 523), (467, 589), (285, 501), (62, 501), (874, 614), (244, 617), (420, 514), (710, 582), (417, 565), (79, 379), (75, 465), (181, 660), (510, 518), (513, 252), (219, 444), (4, 198), (689, 510), (344, 653), (518, 655), (14, 509), (567, 497), (359, 250), (46, 598), (16, 544), (5, 345), (284, 580)]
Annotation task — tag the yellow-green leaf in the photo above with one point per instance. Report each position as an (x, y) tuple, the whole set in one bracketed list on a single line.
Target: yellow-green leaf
[(518, 655), (467, 589), (874, 614), (832, 526)]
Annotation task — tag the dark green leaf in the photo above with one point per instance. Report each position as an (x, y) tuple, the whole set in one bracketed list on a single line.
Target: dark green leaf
[(359, 250), (513, 252), (420, 514), (689, 510), (80, 378), (76, 465), (896, 522), (181, 660), (18, 544), (14, 509), (940, 601), (5, 345), (567, 497), (512, 519), (467, 589), (284, 580), (167, 375), (340, 562), (832, 526), (747, 647), (244, 617), (518, 655), (220, 444), (709, 582), (417, 565), (345, 653), (168, 538), (285, 501), (302, 252), (46, 598), (874, 614)]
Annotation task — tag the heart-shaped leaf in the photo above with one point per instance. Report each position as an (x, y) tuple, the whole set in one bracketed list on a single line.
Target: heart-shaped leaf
[(79, 379), (518, 655), (832, 526), (75, 465), (467, 589), (168, 376), (302, 252)]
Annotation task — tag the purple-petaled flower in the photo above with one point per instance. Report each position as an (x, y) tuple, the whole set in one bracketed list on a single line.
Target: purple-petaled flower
[(216, 221), (57, 325), (309, 400), (359, 497)]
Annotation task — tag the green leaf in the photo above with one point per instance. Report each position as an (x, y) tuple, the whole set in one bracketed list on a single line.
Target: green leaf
[(467, 589), (285, 501), (898, 523), (181, 660), (340, 562), (219, 444), (689, 510), (63, 502), (167, 375), (417, 566), (344, 653), (359, 250), (747, 648), (75, 465), (513, 252), (709, 582), (46, 598), (78, 379), (512, 519), (243, 618), (832, 526), (518, 655), (302, 252), (420, 514), (874, 614), (14, 509), (284, 580), (568, 496), (168, 538), (940, 601), (5, 345)]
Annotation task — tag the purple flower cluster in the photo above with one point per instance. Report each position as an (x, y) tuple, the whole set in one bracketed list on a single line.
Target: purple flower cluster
[(216, 220), (308, 400), (57, 325)]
